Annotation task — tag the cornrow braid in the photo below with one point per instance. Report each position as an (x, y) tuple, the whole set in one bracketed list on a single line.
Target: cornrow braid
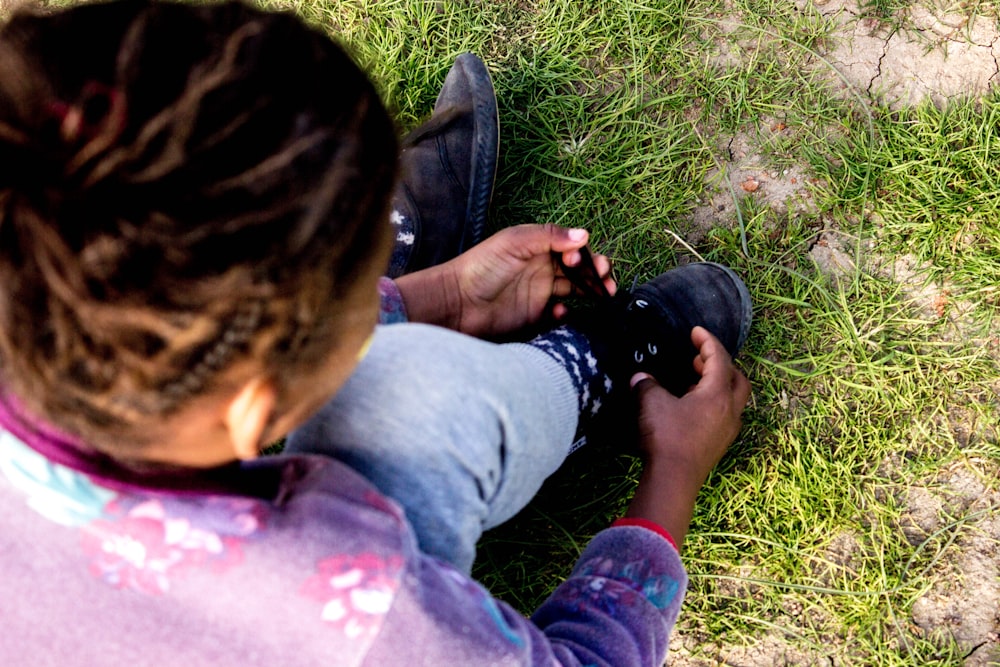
[(235, 336), (169, 206)]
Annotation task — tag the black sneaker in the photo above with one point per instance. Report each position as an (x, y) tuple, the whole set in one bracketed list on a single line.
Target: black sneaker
[(649, 329), (447, 171), (659, 315)]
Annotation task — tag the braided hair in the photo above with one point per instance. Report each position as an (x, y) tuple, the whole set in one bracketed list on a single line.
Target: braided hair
[(181, 186)]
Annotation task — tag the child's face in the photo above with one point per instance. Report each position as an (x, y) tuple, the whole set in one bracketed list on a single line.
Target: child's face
[(217, 429)]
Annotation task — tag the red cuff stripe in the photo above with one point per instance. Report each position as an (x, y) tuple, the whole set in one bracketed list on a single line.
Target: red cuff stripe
[(648, 525)]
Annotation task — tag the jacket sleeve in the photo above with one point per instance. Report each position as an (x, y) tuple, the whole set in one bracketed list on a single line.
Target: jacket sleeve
[(620, 603), (616, 608)]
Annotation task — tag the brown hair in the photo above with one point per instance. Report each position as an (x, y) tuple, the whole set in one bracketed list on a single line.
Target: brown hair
[(180, 186)]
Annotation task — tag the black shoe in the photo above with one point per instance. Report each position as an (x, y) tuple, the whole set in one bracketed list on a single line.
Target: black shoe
[(659, 315), (649, 330), (447, 171)]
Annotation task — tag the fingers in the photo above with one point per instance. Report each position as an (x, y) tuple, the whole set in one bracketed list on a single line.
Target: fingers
[(741, 388), (526, 241), (699, 365), (639, 377), (643, 384), (701, 336), (543, 239), (530, 240), (562, 287), (566, 240), (569, 242), (713, 362), (716, 367), (602, 265), (601, 262)]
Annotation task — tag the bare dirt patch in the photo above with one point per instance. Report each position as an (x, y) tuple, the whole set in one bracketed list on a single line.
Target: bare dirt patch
[(770, 651), (746, 173), (962, 603), (934, 51)]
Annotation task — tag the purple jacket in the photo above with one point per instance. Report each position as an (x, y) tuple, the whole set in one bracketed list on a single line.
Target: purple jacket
[(289, 560)]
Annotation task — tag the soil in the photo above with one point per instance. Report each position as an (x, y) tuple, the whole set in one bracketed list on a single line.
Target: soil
[(935, 52), (929, 50)]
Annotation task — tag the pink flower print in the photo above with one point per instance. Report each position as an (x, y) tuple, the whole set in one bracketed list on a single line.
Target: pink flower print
[(356, 591), (130, 554), (139, 550)]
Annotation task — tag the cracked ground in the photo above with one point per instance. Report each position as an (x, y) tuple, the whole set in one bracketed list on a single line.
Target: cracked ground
[(928, 51), (936, 52)]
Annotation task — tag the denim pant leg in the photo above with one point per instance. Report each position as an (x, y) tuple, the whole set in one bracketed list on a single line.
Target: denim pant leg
[(459, 431)]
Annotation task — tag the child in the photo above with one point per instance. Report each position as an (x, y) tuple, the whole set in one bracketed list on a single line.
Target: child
[(190, 245)]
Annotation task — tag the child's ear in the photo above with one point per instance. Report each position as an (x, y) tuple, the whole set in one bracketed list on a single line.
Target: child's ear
[(247, 416)]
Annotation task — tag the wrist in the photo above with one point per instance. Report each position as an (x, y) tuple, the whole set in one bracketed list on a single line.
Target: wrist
[(666, 496), (648, 525), (432, 296)]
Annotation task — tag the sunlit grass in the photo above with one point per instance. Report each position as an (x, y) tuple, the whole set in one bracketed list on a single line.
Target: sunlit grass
[(615, 116)]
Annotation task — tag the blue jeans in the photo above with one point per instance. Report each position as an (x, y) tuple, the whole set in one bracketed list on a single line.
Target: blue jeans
[(459, 431)]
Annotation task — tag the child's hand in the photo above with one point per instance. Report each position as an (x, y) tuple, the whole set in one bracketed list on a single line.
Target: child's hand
[(505, 283), (682, 439), (695, 430), (509, 280)]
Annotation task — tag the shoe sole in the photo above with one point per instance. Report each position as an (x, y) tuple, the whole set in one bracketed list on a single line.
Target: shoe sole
[(486, 145), (747, 304)]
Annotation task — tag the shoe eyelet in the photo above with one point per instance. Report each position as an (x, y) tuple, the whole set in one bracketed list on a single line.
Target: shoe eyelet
[(652, 349), (638, 357), (641, 303)]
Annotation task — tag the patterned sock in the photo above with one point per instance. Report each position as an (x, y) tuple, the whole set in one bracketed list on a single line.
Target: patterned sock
[(584, 362), (403, 248)]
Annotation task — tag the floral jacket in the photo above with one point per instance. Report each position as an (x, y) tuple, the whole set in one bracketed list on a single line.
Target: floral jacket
[(288, 560)]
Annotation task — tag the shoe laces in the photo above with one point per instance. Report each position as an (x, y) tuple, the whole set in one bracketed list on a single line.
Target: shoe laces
[(435, 125), (584, 275)]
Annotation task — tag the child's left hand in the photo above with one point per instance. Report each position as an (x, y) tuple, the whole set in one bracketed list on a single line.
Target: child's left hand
[(505, 283)]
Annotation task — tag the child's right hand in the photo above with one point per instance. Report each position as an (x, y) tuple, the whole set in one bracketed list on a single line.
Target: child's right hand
[(695, 430), (505, 283), (682, 439)]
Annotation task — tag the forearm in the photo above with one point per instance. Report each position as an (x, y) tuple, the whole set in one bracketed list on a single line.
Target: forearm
[(666, 496), (620, 604), (432, 297)]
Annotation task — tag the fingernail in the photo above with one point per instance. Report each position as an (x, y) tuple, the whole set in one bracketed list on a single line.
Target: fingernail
[(639, 377), (577, 234)]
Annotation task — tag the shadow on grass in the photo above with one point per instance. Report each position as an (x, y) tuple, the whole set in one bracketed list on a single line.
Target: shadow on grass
[(522, 560)]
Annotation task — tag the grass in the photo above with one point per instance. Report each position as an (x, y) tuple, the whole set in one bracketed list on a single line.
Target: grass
[(622, 117), (629, 117)]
